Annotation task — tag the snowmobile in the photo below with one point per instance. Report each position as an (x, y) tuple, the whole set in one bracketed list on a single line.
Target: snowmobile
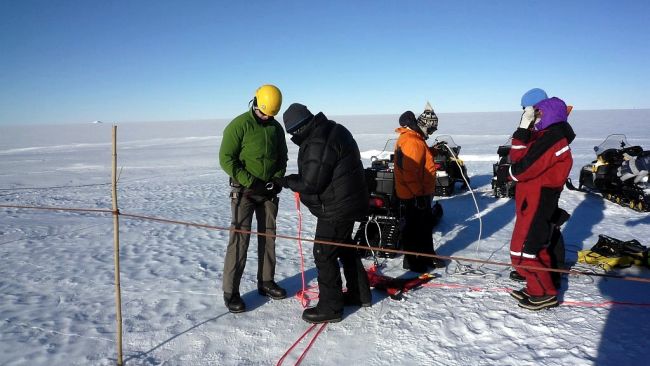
[(382, 226), (503, 189), (450, 169), (601, 176)]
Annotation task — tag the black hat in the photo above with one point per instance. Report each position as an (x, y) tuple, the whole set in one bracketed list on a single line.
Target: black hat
[(295, 117), (407, 119)]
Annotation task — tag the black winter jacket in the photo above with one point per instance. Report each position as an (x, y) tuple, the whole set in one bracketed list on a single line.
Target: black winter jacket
[(330, 178)]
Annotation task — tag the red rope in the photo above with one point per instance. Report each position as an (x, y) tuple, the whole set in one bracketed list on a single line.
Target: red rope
[(307, 294), (311, 343), (311, 327)]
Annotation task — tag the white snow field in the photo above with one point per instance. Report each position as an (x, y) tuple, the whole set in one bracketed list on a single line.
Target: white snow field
[(57, 300)]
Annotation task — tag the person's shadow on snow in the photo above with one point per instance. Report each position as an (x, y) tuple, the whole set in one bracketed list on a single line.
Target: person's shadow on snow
[(578, 231), (146, 358), (460, 214), (623, 338), (645, 220)]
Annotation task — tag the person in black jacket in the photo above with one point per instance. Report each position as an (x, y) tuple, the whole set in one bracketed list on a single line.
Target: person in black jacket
[(332, 185)]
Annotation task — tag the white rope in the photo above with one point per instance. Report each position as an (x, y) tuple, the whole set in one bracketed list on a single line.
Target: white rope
[(467, 269), (365, 234)]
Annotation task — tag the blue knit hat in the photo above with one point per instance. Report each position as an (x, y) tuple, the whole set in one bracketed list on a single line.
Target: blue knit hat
[(532, 97)]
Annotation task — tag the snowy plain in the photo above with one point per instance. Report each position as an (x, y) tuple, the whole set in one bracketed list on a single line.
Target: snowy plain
[(56, 272)]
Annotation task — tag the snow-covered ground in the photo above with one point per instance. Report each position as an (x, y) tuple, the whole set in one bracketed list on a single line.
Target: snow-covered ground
[(56, 272)]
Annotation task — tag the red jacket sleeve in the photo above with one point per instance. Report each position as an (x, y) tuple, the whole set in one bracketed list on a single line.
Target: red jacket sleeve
[(540, 155)]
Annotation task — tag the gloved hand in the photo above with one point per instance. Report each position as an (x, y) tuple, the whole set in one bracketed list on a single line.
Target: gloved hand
[(281, 182), (273, 188), (527, 118), (503, 173), (633, 167)]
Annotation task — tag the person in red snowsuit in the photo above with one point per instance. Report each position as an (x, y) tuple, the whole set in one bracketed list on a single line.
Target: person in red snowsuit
[(541, 162)]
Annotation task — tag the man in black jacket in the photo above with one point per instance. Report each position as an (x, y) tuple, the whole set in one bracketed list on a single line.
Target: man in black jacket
[(332, 185)]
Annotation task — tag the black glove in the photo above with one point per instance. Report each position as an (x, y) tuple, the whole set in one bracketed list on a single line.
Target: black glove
[(503, 173), (273, 188), (281, 181)]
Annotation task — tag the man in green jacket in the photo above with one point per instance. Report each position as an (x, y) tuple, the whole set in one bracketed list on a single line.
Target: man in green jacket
[(253, 152)]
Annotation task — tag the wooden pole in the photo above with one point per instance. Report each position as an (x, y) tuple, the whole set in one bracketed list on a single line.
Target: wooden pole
[(116, 255)]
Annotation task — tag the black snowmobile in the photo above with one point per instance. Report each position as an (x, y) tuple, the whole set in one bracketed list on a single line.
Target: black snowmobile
[(382, 227), (503, 189), (601, 176), (450, 168)]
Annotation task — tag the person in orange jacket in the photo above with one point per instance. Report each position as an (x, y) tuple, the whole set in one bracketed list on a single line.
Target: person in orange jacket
[(415, 184)]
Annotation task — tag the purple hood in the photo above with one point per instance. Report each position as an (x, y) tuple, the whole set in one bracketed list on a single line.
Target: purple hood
[(553, 111)]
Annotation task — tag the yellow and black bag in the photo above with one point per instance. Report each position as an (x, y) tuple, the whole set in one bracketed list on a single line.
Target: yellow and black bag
[(610, 252)]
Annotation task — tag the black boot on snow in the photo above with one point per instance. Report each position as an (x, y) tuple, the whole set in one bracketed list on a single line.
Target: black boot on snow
[(515, 276), (312, 315), (351, 300), (437, 263), (520, 294), (272, 290), (539, 302), (234, 303), (418, 268)]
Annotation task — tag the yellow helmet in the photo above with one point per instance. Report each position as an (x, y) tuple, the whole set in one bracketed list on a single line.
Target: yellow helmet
[(269, 99)]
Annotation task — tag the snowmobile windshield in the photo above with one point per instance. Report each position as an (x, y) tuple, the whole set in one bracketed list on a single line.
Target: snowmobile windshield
[(384, 155), (389, 142), (615, 141), (446, 139)]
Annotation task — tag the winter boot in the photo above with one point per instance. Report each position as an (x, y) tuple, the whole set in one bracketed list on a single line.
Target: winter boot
[(538, 302), (234, 303), (411, 263), (515, 276), (272, 290), (312, 315), (437, 263), (520, 294), (351, 300)]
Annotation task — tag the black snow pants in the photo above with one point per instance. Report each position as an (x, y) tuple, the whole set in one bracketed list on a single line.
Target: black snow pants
[(330, 284)]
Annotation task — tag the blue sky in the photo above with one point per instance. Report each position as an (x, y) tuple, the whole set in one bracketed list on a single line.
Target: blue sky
[(84, 60)]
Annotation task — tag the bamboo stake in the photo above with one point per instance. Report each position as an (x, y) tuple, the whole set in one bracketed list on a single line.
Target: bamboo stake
[(116, 255)]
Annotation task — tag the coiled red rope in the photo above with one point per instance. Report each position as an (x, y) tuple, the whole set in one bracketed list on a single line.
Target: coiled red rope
[(307, 294)]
